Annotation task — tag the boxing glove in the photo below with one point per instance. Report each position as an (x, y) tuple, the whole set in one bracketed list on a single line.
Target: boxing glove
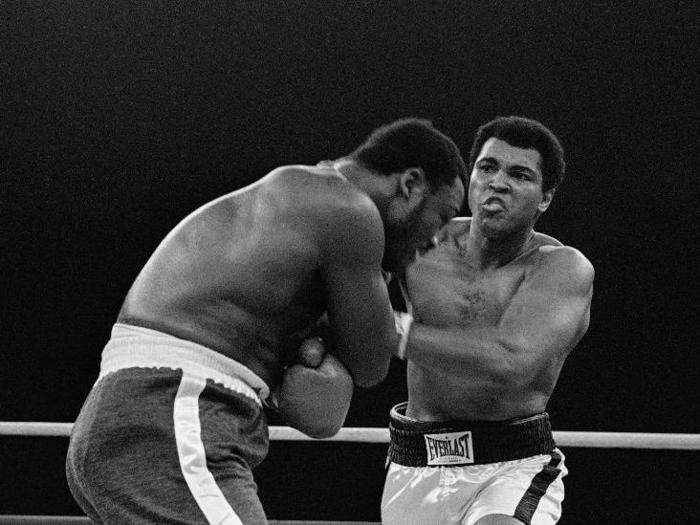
[(315, 393)]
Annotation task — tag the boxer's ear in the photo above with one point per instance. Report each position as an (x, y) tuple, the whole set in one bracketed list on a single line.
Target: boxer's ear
[(547, 197), (412, 183)]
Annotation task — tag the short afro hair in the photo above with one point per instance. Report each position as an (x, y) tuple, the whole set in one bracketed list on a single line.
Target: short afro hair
[(525, 133)]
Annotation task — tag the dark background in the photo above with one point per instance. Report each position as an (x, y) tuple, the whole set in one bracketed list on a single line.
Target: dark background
[(119, 120)]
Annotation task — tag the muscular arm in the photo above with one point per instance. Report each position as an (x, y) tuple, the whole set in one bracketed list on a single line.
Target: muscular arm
[(359, 311), (547, 316)]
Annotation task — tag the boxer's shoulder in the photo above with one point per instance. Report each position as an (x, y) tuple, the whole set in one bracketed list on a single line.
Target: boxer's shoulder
[(329, 209), (321, 189), (556, 259)]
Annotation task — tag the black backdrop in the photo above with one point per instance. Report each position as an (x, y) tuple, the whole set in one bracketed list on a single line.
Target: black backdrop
[(118, 120)]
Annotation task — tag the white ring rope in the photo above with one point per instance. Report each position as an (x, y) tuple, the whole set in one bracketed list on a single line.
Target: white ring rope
[(642, 440)]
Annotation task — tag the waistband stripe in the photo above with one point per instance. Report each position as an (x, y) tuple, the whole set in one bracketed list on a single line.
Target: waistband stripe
[(527, 505), (192, 455), (133, 346)]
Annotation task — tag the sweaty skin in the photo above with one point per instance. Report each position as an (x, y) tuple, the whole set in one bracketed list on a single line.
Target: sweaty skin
[(245, 271), (484, 359)]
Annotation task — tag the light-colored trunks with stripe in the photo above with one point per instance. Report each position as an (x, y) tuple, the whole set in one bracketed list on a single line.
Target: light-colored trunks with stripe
[(169, 433)]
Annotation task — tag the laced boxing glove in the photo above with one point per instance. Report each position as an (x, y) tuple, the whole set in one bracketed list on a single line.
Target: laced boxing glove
[(315, 393)]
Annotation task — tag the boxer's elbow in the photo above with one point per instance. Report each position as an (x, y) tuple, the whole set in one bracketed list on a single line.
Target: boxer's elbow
[(368, 366), (369, 376), (512, 368), (366, 354)]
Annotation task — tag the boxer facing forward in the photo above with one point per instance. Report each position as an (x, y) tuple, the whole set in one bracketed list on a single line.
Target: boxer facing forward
[(174, 424), (498, 307)]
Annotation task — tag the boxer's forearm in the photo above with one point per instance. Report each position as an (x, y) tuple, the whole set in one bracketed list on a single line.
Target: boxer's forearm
[(476, 351)]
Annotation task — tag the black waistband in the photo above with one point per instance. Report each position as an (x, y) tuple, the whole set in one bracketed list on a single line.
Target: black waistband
[(452, 443)]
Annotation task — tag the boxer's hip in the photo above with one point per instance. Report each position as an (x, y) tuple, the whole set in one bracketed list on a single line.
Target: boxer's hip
[(155, 389)]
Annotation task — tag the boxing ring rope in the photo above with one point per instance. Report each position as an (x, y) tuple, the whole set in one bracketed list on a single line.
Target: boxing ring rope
[(638, 440), (633, 440)]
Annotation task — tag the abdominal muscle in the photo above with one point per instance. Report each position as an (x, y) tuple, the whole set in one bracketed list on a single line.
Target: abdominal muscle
[(445, 396)]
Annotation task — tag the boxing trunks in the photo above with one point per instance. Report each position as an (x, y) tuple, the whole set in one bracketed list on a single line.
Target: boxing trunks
[(460, 471), (169, 433)]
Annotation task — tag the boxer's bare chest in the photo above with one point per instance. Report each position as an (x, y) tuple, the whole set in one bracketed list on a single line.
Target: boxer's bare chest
[(446, 290)]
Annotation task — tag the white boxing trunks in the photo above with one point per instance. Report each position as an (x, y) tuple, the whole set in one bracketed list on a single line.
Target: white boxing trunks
[(458, 471)]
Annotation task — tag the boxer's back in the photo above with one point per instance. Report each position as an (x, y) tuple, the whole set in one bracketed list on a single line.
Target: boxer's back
[(240, 274)]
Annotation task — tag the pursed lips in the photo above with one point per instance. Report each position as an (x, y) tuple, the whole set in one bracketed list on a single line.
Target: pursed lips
[(493, 203)]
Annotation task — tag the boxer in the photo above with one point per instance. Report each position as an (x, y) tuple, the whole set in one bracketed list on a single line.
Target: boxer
[(174, 424)]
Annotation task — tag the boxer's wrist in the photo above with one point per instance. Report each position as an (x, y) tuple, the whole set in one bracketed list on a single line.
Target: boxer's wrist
[(403, 322)]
